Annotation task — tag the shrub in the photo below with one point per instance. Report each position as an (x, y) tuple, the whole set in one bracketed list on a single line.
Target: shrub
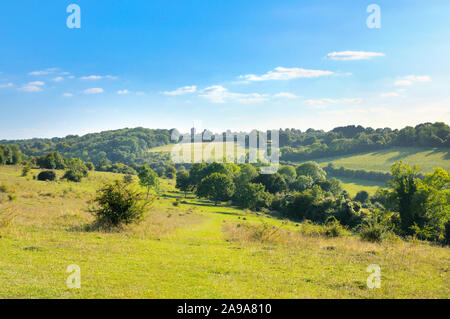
[(362, 197), (46, 176), (26, 170), (3, 188), (176, 203), (375, 228), (118, 204), (73, 175), (254, 197), (11, 197), (335, 229), (76, 170)]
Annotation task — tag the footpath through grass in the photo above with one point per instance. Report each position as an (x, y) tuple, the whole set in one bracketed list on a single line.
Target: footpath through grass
[(194, 250)]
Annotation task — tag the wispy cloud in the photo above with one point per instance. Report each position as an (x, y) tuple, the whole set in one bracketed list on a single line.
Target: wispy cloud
[(44, 72), (93, 91), (58, 79), (182, 90), (35, 86), (353, 55), (411, 79), (325, 102), (67, 94), (281, 73), (7, 85), (99, 77), (219, 94), (123, 92)]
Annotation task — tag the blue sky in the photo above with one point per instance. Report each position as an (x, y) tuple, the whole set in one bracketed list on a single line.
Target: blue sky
[(236, 65)]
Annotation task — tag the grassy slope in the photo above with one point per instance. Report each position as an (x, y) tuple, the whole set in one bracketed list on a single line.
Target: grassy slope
[(427, 159), (183, 252)]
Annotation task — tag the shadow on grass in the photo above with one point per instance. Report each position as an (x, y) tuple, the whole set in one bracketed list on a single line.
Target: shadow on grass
[(95, 227)]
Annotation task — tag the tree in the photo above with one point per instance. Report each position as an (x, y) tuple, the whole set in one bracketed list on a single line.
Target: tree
[(254, 197), (288, 172), (302, 183), (362, 197), (118, 204), (76, 170), (311, 169), (274, 183), (160, 171), (53, 160), (217, 187), (148, 178), (171, 172), (404, 184), (184, 182)]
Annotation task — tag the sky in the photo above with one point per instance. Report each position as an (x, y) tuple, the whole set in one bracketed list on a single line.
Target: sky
[(221, 64)]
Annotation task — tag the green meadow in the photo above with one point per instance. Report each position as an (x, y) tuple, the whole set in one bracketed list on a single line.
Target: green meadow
[(426, 158), (192, 250)]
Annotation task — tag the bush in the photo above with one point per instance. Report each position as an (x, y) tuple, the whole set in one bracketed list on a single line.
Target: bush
[(118, 204), (76, 170), (176, 203), (3, 188), (375, 228), (26, 170), (46, 176), (73, 175), (335, 229)]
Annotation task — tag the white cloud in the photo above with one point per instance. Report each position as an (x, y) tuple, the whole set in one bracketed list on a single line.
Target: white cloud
[(7, 85), (411, 79), (43, 72), (93, 91), (98, 77), (58, 79), (281, 73), (286, 95), (353, 55), (325, 102), (182, 90), (67, 95), (123, 92), (32, 87), (219, 94), (37, 83), (92, 77)]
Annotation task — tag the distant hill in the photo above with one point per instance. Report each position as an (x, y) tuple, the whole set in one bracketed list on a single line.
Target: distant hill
[(128, 146), (139, 146)]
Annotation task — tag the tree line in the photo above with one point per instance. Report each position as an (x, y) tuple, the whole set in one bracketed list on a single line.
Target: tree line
[(131, 147), (312, 144), (413, 206)]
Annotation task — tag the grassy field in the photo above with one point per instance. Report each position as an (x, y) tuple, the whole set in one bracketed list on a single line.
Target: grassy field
[(353, 185), (195, 250), (382, 161)]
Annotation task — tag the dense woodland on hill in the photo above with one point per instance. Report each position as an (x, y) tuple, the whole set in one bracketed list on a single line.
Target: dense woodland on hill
[(131, 146)]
